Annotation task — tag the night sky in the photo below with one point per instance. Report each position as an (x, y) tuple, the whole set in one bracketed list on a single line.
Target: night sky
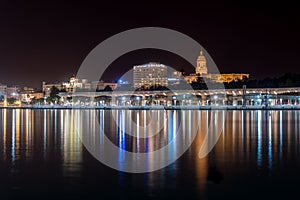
[(48, 40)]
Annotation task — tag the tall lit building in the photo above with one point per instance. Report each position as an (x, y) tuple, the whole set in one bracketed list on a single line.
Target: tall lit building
[(151, 74), (201, 68)]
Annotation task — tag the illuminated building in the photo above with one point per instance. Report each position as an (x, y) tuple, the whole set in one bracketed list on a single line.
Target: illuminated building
[(151, 74), (201, 68), (13, 92), (46, 87), (3, 89), (28, 94), (201, 71), (27, 97), (75, 84), (227, 78)]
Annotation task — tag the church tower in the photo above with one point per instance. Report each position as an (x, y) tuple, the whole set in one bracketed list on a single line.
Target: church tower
[(201, 64)]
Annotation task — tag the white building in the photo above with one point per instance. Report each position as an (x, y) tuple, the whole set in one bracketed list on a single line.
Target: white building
[(151, 74), (46, 87), (3, 96), (75, 84), (13, 92)]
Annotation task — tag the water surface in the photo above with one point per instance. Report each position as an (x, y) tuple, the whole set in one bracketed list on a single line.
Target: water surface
[(42, 156)]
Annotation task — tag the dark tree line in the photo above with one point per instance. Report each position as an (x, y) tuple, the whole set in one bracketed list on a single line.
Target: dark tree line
[(287, 80)]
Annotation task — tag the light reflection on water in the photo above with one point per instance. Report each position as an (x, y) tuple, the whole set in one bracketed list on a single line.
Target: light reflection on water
[(267, 139)]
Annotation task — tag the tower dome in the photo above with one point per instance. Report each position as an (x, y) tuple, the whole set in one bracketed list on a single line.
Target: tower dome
[(201, 64)]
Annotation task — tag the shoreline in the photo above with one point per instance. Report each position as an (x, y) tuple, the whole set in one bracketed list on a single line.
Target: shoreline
[(276, 107)]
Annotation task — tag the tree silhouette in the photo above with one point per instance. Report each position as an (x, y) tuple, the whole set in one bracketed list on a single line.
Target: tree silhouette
[(54, 93), (107, 88)]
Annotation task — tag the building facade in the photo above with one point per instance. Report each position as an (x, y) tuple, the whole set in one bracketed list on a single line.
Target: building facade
[(202, 72), (28, 97), (46, 87), (201, 68), (3, 96), (75, 84), (227, 78), (13, 92), (151, 74)]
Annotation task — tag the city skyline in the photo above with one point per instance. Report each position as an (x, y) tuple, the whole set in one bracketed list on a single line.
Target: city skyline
[(149, 100), (49, 39), (198, 69)]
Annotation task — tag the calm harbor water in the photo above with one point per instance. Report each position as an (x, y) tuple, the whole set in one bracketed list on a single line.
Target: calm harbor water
[(42, 156)]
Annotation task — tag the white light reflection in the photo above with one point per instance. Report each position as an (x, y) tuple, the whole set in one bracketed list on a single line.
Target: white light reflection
[(191, 127), (280, 132), (243, 132), (121, 137), (13, 139), (259, 159), (270, 152), (138, 131), (4, 134), (101, 122), (55, 126), (298, 129), (62, 128), (45, 133)]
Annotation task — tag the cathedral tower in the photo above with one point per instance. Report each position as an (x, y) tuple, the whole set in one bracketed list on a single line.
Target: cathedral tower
[(201, 64)]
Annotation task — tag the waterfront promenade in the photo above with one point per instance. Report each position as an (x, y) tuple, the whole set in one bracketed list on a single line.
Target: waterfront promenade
[(230, 99), (158, 107)]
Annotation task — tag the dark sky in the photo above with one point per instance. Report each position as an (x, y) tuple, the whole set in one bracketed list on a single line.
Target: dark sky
[(48, 40)]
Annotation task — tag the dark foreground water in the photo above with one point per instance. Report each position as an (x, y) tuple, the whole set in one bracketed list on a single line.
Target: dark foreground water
[(257, 156)]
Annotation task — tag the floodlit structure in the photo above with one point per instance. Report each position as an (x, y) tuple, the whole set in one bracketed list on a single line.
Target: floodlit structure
[(151, 74), (3, 96), (202, 71), (75, 84), (201, 68)]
